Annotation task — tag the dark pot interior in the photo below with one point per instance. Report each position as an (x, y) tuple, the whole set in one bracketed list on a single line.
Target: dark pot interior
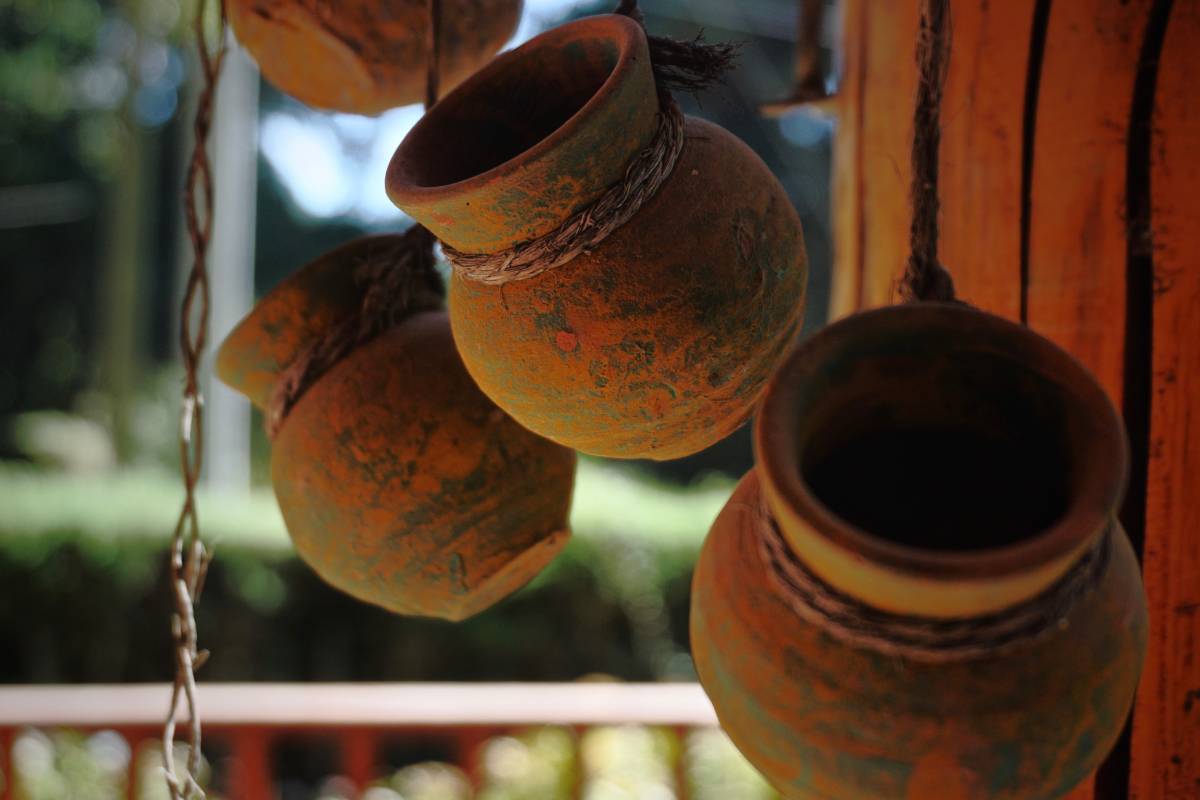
[(969, 452), (942, 440), (508, 107)]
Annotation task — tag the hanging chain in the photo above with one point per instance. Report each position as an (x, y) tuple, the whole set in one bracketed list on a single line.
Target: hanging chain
[(189, 557)]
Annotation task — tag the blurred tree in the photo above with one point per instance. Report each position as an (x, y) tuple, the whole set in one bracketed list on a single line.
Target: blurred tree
[(87, 90)]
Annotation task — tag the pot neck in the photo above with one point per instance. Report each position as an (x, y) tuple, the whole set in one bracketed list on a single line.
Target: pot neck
[(884, 586), (301, 309), (532, 138), (1009, 458)]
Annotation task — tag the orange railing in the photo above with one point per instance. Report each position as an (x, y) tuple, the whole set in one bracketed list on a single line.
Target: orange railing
[(247, 719)]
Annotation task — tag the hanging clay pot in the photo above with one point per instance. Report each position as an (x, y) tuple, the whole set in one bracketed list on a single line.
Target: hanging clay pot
[(657, 341), (399, 482), (366, 57), (921, 590)]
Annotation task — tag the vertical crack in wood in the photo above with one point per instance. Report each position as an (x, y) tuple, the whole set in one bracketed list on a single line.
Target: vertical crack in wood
[(1033, 82), (860, 91), (1138, 357), (1139, 272)]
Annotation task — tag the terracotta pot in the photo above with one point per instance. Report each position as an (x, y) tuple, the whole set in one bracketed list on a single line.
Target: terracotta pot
[(399, 482), (366, 57), (657, 342), (928, 463)]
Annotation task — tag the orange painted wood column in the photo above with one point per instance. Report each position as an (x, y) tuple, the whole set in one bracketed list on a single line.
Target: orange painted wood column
[(250, 774), (8, 780), (359, 756), (980, 162), (889, 86), (1165, 761), (1076, 280), (1053, 214), (846, 192)]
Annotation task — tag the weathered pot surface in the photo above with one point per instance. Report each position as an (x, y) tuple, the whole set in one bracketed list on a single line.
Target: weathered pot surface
[(399, 481), (366, 57), (929, 463), (658, 341)]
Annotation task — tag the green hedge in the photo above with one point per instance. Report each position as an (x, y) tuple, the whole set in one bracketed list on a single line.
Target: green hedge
[(83, 598)]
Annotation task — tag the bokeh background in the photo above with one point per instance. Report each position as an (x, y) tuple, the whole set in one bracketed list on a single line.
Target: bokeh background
[(95, 101)]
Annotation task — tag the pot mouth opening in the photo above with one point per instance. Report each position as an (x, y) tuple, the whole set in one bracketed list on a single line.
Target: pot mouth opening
[(513, 107), (942, 485), (944, 441)]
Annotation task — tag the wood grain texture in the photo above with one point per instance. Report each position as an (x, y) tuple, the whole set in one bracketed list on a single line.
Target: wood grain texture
[(981, 155), (1165, 762), (1077, 243), (1076, 291), (846, 192), (890, 84)]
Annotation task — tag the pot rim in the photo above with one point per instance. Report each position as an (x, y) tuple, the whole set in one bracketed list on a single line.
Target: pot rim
[(630, 39), (1093, 501), (247, 335)]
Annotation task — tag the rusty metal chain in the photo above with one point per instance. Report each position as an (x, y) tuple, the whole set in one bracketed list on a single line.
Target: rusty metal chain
[(189, 557)]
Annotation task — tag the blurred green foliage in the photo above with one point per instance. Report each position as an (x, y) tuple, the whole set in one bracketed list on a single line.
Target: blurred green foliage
[(87, 550), (74, 74), (608, 763)]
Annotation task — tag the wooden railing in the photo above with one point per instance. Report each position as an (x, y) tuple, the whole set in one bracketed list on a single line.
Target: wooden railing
[(247, 719)]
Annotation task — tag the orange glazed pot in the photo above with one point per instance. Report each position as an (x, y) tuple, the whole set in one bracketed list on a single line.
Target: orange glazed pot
[(366, 57), (945, 474), (657, 342), (399, 482)]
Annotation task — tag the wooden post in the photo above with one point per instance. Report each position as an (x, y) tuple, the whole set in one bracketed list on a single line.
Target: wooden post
[(1165, 759), (1064, 206), (358, 756), (8, 788), (681, 777), (468, 745), (231, 266), (250, 773), (133, 739)]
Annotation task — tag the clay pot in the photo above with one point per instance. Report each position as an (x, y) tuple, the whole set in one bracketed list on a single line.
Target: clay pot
[(657, 342), (399, 482), (366, 57), (934, 463)]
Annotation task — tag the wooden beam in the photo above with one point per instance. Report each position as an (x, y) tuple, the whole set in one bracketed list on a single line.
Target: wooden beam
[(890, 84), (1076, 291), (983, 113), (1165, 761), (392, 705), (846, 194)]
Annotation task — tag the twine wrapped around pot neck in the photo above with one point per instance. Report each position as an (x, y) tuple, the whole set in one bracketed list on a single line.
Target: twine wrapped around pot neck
[(684, 65), (925, 639), (398, 279)]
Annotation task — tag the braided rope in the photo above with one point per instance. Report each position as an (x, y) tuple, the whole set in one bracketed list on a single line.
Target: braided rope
[(587, 228), (924, 276), (690, 66), (397, 276), (398, 279), (189, 558), (926, 639)]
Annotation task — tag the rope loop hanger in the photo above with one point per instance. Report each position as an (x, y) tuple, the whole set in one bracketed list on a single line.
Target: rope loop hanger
[(189, 558), (925, 279), (691, 66), (388, 293)]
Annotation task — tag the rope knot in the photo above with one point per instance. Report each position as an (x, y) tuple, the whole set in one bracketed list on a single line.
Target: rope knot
[(685, 65), (398, 280), (925, 639), (924, 276)]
